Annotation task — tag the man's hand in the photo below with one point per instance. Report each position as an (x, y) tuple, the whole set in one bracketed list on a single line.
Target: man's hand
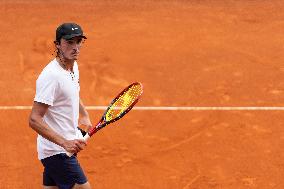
[(74, 146)]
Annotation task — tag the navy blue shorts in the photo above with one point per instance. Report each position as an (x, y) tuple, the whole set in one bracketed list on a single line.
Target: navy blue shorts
[(62, 171)]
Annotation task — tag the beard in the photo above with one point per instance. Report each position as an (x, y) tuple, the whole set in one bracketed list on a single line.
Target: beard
[(67, 57)]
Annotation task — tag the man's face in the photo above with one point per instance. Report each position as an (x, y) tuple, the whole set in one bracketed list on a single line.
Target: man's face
[(70, 49)]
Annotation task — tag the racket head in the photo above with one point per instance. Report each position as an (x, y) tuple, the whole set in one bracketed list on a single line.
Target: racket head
[(123, 102), (119, 106)]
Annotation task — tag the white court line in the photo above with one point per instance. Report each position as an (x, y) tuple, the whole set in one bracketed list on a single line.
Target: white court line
[(173, 108)]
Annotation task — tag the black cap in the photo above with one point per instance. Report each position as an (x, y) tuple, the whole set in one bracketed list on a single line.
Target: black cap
[(68, 31)]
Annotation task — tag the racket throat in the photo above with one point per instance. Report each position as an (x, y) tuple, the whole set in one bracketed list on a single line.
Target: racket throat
[(92, 131), (95, 129)]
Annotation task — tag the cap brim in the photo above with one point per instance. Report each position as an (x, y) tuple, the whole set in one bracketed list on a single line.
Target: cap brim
[(73, 35)]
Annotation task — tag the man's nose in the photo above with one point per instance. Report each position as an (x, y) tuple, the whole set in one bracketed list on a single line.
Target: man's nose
[(76, 47)]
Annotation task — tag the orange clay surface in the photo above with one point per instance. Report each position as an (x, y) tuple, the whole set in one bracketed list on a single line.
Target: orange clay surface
[(186, 53)]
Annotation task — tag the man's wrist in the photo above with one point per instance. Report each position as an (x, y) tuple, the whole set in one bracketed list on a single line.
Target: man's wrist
[(61, 142)]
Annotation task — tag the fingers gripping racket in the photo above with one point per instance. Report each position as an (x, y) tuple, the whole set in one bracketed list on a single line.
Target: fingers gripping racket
[(118, 107)]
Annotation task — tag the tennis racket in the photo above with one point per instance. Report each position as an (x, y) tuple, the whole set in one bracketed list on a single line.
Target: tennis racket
[(118, 108)]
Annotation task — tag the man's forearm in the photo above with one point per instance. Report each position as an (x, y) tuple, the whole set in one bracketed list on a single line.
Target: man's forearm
[(85, 119), (37, 124), (82, 109)]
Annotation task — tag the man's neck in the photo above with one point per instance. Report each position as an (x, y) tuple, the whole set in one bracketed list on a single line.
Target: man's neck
[(65, 64)]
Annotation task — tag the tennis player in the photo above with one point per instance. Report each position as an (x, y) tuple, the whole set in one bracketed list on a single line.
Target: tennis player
[(55, 113)]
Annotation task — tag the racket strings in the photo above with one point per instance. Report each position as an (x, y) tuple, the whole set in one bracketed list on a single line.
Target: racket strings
[(123, 102)]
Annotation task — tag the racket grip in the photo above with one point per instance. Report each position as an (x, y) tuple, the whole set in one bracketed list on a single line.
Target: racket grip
[(86, 137)]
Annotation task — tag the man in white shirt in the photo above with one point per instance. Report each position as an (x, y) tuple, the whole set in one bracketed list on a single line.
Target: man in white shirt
[(56, 110)]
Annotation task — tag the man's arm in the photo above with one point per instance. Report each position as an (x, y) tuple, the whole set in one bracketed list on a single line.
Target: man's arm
[(84, 119), (36, 123)]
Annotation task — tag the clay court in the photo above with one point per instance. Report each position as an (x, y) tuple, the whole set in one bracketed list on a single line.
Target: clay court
[(186, 54)]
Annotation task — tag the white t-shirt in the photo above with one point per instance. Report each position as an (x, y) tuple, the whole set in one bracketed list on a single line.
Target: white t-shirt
[(60, 89)]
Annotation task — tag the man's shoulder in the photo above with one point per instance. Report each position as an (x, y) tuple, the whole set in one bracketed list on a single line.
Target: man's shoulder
[(51, 66), (50, 71)]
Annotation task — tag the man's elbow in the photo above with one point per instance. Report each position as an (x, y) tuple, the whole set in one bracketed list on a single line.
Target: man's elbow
[(32, 121)]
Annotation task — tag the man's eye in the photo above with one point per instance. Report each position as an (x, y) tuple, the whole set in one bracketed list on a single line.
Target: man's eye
[(79, 41)]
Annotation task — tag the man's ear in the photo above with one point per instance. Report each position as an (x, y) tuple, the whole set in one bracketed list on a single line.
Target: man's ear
[(57, 44)]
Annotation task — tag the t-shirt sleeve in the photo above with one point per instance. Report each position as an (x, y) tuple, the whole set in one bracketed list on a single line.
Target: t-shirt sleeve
[(46, 86)]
